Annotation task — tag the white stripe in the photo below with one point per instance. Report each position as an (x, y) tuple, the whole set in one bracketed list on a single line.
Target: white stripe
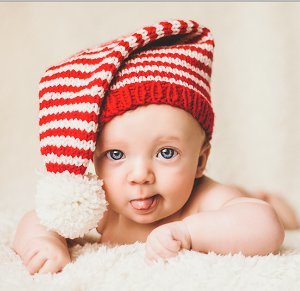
[(81, 107), (93, 91), (76, 82), (164, 69), (175, 26), (206, 38), (79, 56), (208, 47), (145, 35), (70, 123), (67, 141), (159, 30), (169, 60), (65, 160), (190, 26), (131, 41), (84, 68), (156, 78), (185, 52), (121, 49)]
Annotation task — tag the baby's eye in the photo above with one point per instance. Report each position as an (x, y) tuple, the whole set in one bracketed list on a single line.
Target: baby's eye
[(167, 153), (115, 155)]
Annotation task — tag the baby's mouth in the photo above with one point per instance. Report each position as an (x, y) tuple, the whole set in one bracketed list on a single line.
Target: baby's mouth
[(144, 204)]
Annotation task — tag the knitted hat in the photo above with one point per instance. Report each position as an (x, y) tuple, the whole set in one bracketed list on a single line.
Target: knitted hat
[(167, 63)]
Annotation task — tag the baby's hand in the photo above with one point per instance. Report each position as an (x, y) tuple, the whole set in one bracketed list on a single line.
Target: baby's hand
[(167, 240), (45, 254)]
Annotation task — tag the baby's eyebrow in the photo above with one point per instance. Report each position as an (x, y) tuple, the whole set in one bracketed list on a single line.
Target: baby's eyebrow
[(168, 138), (114, 143)]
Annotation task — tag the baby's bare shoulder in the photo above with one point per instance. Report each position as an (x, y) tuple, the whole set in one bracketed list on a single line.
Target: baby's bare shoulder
[(212, 195)]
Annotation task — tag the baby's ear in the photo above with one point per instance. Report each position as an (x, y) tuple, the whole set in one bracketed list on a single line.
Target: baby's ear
[(202, 160)]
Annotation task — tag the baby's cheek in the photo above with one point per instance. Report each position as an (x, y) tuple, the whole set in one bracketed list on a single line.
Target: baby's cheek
[(181, 179), (114, 188), (184, 185), (177, 190), (98, 166)]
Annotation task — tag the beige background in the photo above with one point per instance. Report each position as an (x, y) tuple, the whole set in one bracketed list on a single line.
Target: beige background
[(255, 84)]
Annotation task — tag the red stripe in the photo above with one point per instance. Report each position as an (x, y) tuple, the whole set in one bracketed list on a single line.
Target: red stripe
[(167, 27), (139, 38), (76, 133), (195, 25), (71, 73), (184, 47), (77, 61), (84, 61), (85, 116), (205, 32), (167, 64), (60, 168), (72, 89), (151, 30), (183, 26), (77, 100), (67, 74), (67, 151)]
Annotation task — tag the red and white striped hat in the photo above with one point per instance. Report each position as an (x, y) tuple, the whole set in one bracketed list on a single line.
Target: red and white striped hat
[(167, 63)]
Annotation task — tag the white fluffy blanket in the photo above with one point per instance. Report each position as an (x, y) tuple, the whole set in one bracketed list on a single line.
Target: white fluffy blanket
[(98, 267)]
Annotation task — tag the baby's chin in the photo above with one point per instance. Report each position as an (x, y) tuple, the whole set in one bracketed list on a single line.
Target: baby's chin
[(156, 218), (150, 218), (145, 220)]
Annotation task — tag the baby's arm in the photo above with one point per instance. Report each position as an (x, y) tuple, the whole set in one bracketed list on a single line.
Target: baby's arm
[(245, 225), (41, 250)]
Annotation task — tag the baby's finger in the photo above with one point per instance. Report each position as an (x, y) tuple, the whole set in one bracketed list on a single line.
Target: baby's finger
[(170, 244), (150, 255), (36, 263), (28, 256), (50, 266)]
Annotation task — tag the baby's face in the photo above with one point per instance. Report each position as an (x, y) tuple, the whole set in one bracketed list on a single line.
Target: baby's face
[(148, 160)]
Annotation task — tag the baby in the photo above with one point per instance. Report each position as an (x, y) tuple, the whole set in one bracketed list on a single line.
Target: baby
[(140, 108)]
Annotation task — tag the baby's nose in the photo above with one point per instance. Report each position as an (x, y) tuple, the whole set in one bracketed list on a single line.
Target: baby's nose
[(141, 172)]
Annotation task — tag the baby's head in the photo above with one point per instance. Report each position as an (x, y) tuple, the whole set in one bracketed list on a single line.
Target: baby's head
[(154, 152), (147, 98)]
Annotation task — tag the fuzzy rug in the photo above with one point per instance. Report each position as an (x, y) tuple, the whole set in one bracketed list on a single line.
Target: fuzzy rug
[(98, 267)]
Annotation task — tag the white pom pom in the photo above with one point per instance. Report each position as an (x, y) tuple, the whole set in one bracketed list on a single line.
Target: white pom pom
[(70, 204)]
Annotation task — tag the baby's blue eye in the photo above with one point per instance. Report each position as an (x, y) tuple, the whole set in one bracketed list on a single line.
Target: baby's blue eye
[(115, 155), (167, 153)]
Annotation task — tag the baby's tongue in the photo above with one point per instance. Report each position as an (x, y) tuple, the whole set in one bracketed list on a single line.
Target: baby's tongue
[(142, 204)]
